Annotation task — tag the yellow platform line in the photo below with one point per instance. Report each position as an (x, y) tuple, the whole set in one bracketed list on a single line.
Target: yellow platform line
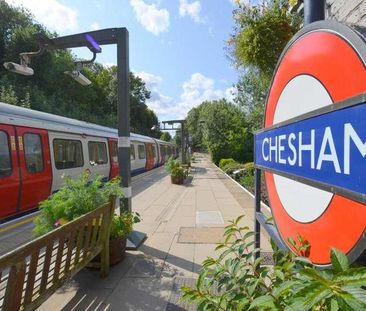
[(17, 224)]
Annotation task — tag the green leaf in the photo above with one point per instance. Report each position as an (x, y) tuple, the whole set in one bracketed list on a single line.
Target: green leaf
[(356, 292), (283, 289), (262, 301), (353, 276), (339, 260), (309, 297), (348, 302)]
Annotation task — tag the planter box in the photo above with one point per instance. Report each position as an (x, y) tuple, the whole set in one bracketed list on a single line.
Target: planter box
[(177, 180), (117, 250)]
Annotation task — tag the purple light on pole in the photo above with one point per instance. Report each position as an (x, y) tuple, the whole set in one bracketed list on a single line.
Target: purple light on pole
[(92, 44)]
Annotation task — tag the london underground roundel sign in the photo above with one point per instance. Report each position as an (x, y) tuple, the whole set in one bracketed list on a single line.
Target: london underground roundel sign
[(313, 144)]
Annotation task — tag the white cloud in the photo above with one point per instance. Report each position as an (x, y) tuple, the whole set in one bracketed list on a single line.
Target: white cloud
[(95, 26), (161, 104), (190, 9), (51, 13), (196, 90), (150, 17)]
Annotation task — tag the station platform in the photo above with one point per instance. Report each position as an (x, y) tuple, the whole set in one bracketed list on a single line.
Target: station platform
[(183, 223)]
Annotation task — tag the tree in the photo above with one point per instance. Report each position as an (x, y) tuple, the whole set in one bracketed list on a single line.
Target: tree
[(224, 130), (261, 33), (251, 97), (50, 90), (195, 125), (166, 136)]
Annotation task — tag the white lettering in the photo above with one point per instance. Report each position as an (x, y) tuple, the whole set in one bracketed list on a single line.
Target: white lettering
[(263, 155), (272, 148), (280, 149), (332, 156), (308, 147), (350, 133), (292, 161)]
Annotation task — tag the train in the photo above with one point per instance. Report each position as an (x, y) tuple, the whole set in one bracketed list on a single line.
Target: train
[(38, 149)]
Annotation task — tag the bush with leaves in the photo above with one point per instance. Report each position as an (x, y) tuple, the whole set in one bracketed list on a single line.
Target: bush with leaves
[(231, 167), (122, 225), (174, 168), (77, 197), (237, 280), (261, 32), (224, 162)]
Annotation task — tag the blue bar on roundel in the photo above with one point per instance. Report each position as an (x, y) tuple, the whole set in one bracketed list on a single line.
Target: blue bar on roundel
[(328, 149)]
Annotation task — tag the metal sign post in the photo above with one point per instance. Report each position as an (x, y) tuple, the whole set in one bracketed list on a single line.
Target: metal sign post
[(312, 148), (183, 138)]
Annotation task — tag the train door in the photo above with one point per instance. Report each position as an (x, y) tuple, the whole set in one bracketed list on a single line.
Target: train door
[(35, 166), (113, 152), (97, 157), (155, 154), (149, 157), (67, 154), (9, 172), (140, 160)]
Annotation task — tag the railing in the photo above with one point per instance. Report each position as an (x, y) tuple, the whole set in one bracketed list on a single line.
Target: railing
[(32, 273)]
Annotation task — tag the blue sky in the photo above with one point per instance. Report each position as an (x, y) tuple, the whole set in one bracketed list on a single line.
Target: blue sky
[(176, 46)]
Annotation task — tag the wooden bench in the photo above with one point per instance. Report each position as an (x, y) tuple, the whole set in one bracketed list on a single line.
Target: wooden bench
[(31, 273)]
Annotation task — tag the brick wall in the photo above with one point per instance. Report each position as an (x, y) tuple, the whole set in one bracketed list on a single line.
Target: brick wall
[(347, 11)]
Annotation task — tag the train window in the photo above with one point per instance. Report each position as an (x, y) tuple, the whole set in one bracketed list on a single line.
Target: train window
[(5, 163), (114, 153), (97, 153), (153, 151), (68, 153), (132, 152), (33, 153), (142, 153)]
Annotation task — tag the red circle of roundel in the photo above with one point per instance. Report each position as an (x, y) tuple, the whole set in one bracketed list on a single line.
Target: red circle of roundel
[(331, 59)]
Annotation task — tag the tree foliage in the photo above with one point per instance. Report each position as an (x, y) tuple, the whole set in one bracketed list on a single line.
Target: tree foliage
[(166, 136), (251, 97), (221, 127), (52, 91), (261, 33)]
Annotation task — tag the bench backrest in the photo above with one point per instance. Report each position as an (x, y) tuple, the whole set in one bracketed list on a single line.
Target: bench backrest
[(32, 272)]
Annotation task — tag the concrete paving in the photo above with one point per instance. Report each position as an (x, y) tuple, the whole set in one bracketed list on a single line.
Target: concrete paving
[(149, 279)]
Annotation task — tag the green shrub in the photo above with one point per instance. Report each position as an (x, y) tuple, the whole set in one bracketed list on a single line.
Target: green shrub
[(77, 197), (247, 178), (236, 280), (174, 168), (224, 162), (122, 225), (230, 168)]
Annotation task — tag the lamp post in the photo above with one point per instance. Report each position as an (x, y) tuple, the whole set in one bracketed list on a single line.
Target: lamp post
[(92, 40), (182, 128)]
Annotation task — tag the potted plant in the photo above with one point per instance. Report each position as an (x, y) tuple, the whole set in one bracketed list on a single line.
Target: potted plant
[(176, 171), (121, 227), (76, 198)]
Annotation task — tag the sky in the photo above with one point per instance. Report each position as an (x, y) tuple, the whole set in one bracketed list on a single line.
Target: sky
[(176, 46)]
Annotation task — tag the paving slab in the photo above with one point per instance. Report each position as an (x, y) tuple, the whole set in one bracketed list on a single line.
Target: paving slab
[(183, 224)]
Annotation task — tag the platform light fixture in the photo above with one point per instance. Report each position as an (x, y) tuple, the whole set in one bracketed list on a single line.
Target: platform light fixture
[(78, 77), (22, 68)]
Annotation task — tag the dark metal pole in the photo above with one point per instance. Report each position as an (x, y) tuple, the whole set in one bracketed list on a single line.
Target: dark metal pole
[(123, 108), (183, 144), (314, 10), (136, 238), (257, 226)]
